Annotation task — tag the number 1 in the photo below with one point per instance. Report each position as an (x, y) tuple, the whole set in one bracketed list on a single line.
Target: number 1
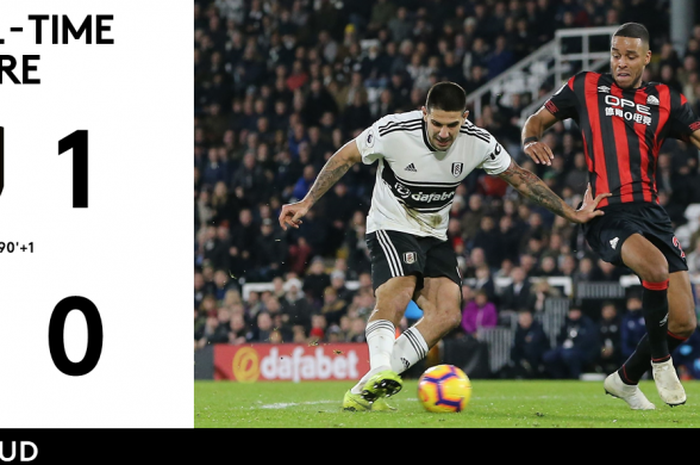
[(78, 141)]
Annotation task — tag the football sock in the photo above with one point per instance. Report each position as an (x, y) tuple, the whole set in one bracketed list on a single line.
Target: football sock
[(638, 363), (409, 349), (655, 311), (380, 336)]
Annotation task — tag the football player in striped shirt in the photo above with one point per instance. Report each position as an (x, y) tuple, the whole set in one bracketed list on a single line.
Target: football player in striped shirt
[(422, 156), (623, 122)]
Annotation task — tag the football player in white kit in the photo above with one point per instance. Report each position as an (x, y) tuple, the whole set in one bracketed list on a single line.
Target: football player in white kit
[(422, 157)]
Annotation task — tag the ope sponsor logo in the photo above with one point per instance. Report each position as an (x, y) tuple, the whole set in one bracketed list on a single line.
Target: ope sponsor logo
[(18, 451), (627, 109)]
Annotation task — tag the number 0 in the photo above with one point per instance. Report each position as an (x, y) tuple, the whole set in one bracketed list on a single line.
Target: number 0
[(56, 342)]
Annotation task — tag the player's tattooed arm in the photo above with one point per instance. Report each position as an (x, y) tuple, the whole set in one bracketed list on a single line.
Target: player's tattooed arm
[(334, 169), (529, 185)]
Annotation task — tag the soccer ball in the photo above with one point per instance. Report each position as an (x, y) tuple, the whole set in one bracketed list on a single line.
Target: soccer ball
[(444, 388)]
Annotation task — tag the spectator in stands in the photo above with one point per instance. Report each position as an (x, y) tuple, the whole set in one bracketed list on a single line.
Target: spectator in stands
[(632, 327), (479, 313), (316, 280), (263, 328), (218, 327), (610, 327), (509, 236), (487, 239), (577, 347), (223, 284), (476, 258), (356, 333), (484, 281), (541, 291), (530, 342), (333, 307), (240, 330), (319, 328), (243, 236), (270, 253), (517, 294), (339, 283), (295, 309), (604, 271), (501, 58), (471, 218)]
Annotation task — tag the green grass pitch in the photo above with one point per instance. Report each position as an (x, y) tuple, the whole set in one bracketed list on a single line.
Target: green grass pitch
[(494, 404)]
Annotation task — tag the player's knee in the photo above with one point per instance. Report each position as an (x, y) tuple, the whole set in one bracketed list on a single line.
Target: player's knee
[(451, 317), (655, 272), (683, 327)]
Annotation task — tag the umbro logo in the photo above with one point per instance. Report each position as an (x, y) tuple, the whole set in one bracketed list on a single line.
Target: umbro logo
[(614, 241), (604, 89), (652, 100), (411, 168)]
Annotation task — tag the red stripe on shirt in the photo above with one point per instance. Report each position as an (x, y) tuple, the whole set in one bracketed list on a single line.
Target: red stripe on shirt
[(640, 98), (597, 149), (664, 114), (623, 152)]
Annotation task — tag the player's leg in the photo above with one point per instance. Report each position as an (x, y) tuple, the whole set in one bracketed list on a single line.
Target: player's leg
[(652, 267), (441, 301), (682, 320), (392, 298), (396, 271), (647, 262)]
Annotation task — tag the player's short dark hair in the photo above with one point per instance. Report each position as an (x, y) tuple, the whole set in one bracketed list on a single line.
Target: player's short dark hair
[(446, 96), (634, 31)]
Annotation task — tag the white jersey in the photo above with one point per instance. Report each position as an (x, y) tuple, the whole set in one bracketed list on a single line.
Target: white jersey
[(416, 184)]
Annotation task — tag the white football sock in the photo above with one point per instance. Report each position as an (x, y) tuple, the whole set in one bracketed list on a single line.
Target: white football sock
[(409, 349), (380, 336)]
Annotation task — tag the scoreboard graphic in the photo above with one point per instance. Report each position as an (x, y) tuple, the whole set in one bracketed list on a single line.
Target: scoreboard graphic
[(96, 137)]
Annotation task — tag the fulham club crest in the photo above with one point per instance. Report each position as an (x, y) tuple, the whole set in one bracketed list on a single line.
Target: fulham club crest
[(409, 258), (457, 168)]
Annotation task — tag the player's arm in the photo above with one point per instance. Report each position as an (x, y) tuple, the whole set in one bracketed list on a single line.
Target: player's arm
[(695, 138), (529, 185), (561, 105), (535, 125), (334, 169)]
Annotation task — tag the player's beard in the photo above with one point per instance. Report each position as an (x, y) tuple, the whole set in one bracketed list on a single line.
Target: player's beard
[(631, 82), (442, 144)]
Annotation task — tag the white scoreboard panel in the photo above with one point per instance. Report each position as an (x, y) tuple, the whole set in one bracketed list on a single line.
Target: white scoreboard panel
[(96, 232)]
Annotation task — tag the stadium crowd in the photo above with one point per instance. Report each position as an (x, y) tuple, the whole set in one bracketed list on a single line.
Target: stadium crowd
[(281, 84)]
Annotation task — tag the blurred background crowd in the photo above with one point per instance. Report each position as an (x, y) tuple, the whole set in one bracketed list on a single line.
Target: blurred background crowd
[(281, 84)]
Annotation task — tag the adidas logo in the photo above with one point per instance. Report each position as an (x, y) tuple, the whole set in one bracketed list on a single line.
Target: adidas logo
[(614, 241), (405, 363), (604, 89), (652, 100), (411, 167)]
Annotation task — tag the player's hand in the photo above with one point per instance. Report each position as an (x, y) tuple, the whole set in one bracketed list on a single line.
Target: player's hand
[(292, 214), (587, 211), (539, 152)]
